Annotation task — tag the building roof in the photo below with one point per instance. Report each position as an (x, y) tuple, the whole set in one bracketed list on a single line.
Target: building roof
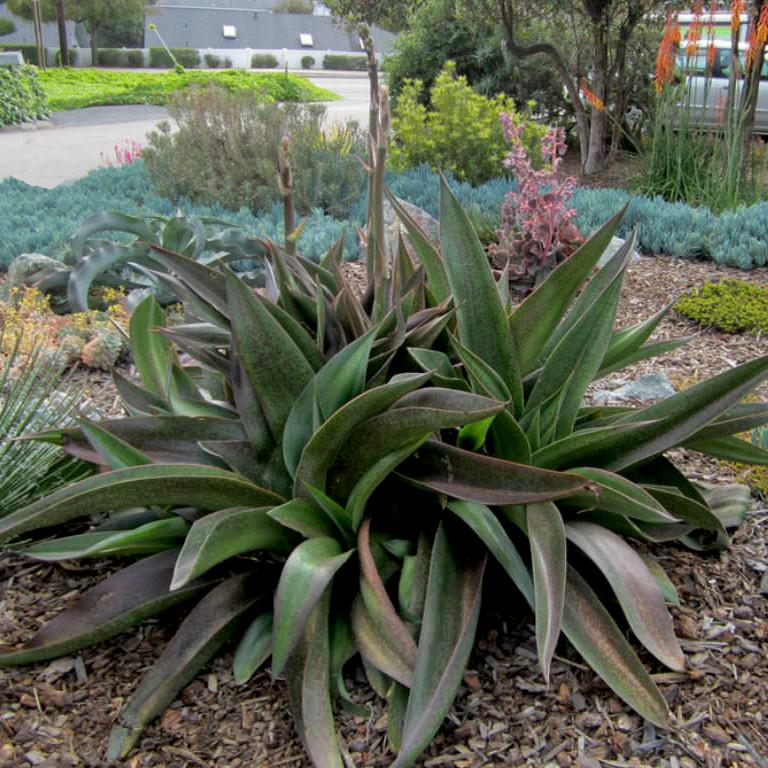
[(193, 24)]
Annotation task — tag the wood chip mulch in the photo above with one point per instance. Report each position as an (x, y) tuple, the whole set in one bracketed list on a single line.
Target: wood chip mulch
[(60, 713)]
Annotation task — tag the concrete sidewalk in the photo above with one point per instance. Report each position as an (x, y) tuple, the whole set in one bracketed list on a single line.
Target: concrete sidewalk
[(71, 144)]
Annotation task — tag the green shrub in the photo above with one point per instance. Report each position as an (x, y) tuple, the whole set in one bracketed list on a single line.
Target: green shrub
[(186, 57), (345, 62), (227, 62), (78, 88), (307, 62), (29, 52), (21, 97), (134, 58), (120, 57), (461, 132), (212, 60), (263, 61), (225, 152), (733, 306)]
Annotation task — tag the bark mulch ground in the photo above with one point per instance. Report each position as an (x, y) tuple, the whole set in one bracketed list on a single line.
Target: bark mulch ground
[(60, 713)]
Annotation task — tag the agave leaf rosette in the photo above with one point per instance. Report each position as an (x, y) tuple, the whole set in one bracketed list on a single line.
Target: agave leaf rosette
[(324, 477)]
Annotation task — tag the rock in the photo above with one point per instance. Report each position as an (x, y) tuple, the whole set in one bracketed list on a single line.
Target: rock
[(393, 226), (649, 388), (28, 269), (614, 246)]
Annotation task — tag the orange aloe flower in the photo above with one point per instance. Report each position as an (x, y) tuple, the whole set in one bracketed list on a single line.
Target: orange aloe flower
[(694, 31), (762, 27), (594, 100), (737, 8), (665, 60)]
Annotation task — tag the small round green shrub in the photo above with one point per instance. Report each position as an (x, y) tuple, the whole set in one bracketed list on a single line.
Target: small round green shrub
[(212, 60), (307, 62), (733, 306), (263, 61)]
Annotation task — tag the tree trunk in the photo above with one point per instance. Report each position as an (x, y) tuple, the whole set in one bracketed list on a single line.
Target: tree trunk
[(582, 119), (94, 45), (596, 153), (62, 23)]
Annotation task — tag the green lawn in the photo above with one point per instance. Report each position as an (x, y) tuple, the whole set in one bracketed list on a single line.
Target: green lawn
[(77, 88)]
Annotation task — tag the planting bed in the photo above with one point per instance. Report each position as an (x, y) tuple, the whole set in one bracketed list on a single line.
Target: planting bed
[(60, 713)]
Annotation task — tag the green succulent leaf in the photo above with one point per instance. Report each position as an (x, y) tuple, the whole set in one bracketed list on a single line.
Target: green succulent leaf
[(490, 531), (114, 452), (427, 251), (202, 633), (533, 322), (482, 322), (277, 368), (413, 418), (152, 353), (451, 611), (121, 601), (306, 575), (340, 380), (174, 484), (730, 449), (648, 432), (254, 648), (220, 535), (620, 496), (154, 536), (471, 476), (326, 442), (594, 634), (546, 533), (390, 628), (626, 342), (302, 516), (740, 418), (309, 685), (639, 594)]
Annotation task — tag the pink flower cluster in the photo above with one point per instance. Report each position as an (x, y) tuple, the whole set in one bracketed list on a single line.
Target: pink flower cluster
[(126, 154), (536, 224)]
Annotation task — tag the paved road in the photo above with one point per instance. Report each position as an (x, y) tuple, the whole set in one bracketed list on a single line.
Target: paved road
[(72, 143)]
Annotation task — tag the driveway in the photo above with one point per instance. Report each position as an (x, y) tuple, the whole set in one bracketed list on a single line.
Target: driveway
[(72, 143)]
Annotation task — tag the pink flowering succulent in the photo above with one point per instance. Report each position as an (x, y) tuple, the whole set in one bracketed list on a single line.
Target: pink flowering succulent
[(537, 230), (127, 154)]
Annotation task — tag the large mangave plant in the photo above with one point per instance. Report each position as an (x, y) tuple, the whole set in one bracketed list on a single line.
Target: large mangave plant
[(331, 476)]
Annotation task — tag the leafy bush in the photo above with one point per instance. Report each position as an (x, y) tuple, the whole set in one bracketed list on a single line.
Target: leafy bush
[(29, 52), (21, 97), (336, 418), (263, 61), (461, 132), (225, 152), (212, 60), (307, 62), (733, 306), (186, 57), (120, 57), (134, 58), (78, 88), (345, 62), (227, 63)]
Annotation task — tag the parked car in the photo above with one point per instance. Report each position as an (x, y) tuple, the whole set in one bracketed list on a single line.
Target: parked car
[(707, 84)]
